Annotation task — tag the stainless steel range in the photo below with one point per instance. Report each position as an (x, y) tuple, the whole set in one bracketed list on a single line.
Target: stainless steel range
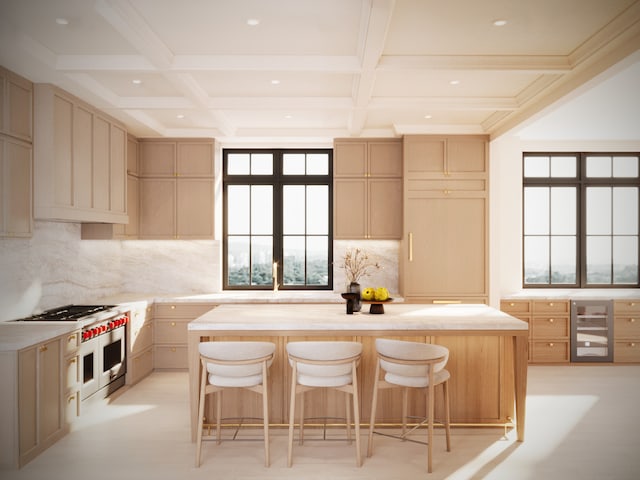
[(103, 348)]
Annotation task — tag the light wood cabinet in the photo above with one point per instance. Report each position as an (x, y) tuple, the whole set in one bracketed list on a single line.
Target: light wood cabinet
[(176, 189), (367, 188), (444, 254), (170, 333), (140, 358), (16, 100), (15, 188), (40, 412), (549, 328), (626, 331), (79, 160), (71, 376)]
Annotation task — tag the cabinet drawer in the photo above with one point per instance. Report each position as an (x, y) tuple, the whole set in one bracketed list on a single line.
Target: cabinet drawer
[(626, 307), (546, 307), (170, 331), (170, 357), (627, 352), (72, 370), (71, 343), (515, 307), (141, 365), (72, 406), (550, 352), (627, 326), (141, 337), (545, 327), (186, 310)]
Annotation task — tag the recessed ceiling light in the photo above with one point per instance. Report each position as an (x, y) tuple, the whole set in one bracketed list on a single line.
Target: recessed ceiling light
[(180, 116), (428, 116), (500, 23), (275, 82), (252, 22), (136, 81), (454, 82), (62, 21), (288, 116)]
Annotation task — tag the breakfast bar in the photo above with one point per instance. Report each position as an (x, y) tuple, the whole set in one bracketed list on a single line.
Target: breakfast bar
[(488, 355)]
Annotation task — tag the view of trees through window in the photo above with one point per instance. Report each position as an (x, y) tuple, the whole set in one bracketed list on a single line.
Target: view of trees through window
[(277, 225), (580, 219)]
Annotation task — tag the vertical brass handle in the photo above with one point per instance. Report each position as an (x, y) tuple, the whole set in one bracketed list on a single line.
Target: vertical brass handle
[(410, 247)]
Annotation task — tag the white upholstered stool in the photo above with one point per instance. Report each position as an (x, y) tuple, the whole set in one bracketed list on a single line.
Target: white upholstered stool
[(234, 365), (324, 365), (412, 365)]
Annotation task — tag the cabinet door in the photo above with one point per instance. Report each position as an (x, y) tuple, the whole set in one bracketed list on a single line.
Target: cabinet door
[(157, 207), (385, 208), (447, 245), (62, 152), (194, 208), (466, 155), (117, 169), (157, 158), (350, 208), (385, 158), (15, 183), (195, 159), (423, 156), (82, 155), (15, 105), (132, 156), (133, 195), (101, 170), (350, 159)]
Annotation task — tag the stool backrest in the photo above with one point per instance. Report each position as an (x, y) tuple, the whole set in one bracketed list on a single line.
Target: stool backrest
[(236, 359), (323, 359), (410, 359)]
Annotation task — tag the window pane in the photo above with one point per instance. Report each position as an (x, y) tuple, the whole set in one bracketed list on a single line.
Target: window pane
[(625, 167), (563, 260), (261, 209), (238, 164), (293, 164), (536, 260), (293, 209), (599, 260), (598, 211), (536, 211), (563, 211), (317, 164), (625, 260), (564, 167), (599, 167), (293, 272), (261, 260), (262, 164), (238, 261), (625, 210), (317, 209), (536, 167), (317, 260), (238, 209)]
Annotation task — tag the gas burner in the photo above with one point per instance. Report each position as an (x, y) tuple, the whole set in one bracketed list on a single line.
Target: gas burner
[(68, 313)]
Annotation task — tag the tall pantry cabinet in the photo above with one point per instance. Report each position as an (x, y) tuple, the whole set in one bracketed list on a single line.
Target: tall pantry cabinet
[(444, 254)]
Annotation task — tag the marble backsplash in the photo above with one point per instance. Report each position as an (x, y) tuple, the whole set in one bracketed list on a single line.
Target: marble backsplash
[(55, 267)]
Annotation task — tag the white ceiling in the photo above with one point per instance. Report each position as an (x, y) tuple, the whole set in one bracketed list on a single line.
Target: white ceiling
[(345, 67)]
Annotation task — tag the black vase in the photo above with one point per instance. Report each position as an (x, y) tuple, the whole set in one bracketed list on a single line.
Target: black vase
[(354, 287)]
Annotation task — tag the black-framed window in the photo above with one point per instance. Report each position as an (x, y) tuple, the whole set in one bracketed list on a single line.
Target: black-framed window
[(278, 219), (581, 216)]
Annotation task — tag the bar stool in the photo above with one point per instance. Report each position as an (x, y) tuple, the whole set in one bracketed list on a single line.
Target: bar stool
[(234, 365), (324, 365), (412, 365)]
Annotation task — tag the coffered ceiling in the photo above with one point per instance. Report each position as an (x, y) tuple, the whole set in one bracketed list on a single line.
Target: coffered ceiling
[(310, 70)]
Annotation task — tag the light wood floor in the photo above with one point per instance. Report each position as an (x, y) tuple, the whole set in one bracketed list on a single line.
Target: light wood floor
[(583, 422)]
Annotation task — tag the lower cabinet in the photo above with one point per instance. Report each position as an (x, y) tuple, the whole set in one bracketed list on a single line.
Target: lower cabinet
[(71, 377), (140, 358), (626, 331), (170, 333)]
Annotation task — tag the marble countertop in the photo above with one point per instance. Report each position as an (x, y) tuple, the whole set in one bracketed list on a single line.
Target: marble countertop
[(400, 316), (574, 294)]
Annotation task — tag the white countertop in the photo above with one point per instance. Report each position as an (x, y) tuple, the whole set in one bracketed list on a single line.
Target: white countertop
[(574, 294), (399, 316)]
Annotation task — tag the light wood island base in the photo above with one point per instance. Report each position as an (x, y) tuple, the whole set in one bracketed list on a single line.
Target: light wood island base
[(488, 358)]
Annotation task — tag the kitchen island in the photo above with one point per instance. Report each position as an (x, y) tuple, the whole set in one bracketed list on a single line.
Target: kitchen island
[(488, 359)]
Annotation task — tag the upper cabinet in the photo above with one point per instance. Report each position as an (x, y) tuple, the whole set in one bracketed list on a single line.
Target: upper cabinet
[(176, 188), (16, 96), (80, 158), (16, 128), (367, 188)]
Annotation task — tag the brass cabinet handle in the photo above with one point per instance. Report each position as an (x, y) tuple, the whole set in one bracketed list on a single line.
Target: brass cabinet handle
[(72, 360), (551, 320), (512, 304), (410, 247), (551, 304), (71, 398), (551, 344), (173, 307), (173, 324), (71, 338), (633, 344), (173, 349), (43, 348), (632, 320)]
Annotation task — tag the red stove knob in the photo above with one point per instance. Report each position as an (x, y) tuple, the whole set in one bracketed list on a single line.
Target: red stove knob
[(95, 331), (112, 325), (103, 328), (85, 335)]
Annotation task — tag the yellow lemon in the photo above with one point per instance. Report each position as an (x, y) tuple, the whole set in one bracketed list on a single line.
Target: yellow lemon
[(381, 294), (368, 293)]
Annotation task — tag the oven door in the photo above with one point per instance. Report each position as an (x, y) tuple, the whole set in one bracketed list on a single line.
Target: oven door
[(112, 349), (90, 360)]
